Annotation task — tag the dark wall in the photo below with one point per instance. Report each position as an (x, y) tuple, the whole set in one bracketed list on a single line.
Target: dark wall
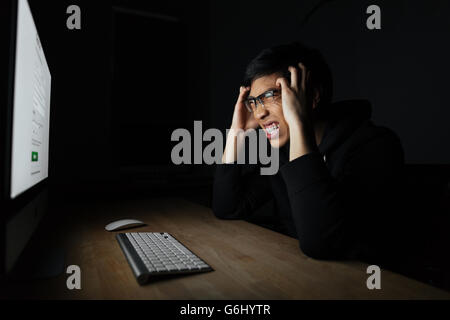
[(80, 107), (88, 138), (402, 68)]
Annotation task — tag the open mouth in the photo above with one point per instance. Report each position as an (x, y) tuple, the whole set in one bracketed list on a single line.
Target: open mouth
[(272, 129)]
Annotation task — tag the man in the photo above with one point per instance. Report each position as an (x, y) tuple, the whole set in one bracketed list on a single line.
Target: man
[(336, 187)]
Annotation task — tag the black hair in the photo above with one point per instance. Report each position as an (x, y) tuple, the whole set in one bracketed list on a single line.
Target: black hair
[(277, 59)]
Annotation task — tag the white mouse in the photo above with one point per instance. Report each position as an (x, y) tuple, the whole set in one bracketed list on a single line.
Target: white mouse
[(123, 224)]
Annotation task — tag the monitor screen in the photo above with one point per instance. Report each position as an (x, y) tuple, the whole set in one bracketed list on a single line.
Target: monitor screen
[(31, 106)]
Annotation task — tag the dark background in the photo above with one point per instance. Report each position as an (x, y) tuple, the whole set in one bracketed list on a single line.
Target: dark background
[(112, 118), (120, 86)]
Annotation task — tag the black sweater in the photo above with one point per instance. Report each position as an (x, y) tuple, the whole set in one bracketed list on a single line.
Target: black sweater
[(339, 202)]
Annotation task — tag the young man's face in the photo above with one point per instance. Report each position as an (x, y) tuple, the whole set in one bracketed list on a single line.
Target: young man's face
[(270, 117)]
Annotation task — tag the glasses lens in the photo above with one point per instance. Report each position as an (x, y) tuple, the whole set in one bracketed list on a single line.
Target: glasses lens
[(269, 97)]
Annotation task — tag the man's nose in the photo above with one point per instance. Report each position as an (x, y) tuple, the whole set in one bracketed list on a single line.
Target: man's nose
[(261, 112)]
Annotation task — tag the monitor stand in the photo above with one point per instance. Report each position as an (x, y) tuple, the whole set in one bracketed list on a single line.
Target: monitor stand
[(30, 251)]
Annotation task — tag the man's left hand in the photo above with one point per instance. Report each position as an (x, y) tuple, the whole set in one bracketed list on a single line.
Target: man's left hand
[(297, 109)]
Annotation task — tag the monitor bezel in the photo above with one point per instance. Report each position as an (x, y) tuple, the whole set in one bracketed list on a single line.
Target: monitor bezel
[(10, 204)]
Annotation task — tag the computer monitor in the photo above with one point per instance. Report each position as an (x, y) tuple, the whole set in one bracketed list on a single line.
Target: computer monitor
[(25, 122), (31, 106)]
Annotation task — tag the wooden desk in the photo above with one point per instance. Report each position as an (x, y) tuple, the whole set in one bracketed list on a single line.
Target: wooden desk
[(250, 262)]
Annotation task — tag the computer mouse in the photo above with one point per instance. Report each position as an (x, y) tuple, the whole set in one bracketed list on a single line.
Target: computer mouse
[(123, 224)]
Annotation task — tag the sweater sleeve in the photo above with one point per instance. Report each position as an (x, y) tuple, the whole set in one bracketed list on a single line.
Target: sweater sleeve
[(239, 190), (330, 212)]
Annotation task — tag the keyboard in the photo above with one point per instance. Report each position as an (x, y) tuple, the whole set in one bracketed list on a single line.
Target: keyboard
[(158, 253)]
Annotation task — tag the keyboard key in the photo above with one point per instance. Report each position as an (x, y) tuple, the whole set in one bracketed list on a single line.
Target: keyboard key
[(183, 268)]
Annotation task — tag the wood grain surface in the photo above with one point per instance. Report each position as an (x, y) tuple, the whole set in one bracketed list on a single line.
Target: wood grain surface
[(249, 262)]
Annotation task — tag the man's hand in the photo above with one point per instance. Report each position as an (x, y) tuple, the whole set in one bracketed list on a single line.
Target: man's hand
[(297, 109), (242, 120)]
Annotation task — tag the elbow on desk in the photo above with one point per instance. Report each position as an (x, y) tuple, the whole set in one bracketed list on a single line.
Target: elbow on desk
[(223, 214), (320, 250), (227, 214), (227, 211), (218, 210), (220, 215)]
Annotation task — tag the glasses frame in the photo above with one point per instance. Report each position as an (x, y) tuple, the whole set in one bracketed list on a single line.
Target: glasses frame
[(259, 99)]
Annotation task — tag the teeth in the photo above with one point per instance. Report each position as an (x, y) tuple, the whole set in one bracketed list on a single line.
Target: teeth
[(270, 129)]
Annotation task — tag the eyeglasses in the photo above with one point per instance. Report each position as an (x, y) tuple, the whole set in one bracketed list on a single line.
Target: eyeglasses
[(264, 99)]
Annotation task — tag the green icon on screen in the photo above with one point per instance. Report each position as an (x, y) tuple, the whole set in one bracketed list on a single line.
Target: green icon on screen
[(34, 156)]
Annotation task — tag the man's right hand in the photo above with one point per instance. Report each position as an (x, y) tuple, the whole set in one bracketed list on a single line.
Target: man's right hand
[(242, 118)]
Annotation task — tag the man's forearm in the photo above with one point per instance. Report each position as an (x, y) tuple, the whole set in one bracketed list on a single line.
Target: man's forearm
[(317, 207), (302, 139), (234, 143)]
